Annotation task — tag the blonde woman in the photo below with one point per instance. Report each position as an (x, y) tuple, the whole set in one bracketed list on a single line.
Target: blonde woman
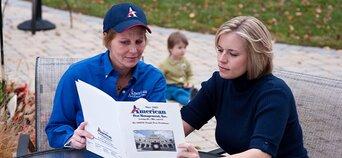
[(255, 111)]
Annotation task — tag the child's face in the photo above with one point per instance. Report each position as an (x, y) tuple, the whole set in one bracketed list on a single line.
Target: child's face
[(178, 50)]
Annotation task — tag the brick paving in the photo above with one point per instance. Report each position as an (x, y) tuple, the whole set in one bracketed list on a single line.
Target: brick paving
[(84, 40)]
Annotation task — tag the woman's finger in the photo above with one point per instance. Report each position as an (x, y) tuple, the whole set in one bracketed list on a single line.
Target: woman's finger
[(84, 133), (186, 154), (186, 150), (76, 138), (192, 149), (79, 139), (77, 145), (82, 126), (82, 141), (78, 142), (186, 146)]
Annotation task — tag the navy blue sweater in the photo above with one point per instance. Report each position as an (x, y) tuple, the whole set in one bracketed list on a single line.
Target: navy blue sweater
[(258, 113)]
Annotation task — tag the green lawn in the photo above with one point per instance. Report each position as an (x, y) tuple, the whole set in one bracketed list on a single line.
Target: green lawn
[(300, 22)]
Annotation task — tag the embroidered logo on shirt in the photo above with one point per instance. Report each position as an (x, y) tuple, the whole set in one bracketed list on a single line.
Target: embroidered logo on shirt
[(131, 13), (138, 94)]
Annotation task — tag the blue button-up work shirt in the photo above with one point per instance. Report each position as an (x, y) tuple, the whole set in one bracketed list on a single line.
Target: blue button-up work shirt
[(146, 82)]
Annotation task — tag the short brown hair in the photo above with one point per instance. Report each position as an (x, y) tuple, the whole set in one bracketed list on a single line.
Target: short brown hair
[(259, 43), (175, 38), (108, 36)]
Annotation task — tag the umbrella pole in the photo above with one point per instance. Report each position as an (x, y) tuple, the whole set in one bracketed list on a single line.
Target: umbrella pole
[(2, 53), (36, 23)]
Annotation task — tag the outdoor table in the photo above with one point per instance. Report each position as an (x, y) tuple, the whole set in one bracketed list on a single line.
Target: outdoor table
[(74, 153)]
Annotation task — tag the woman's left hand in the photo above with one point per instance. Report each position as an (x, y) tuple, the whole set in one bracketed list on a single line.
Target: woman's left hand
[(187, 150), (188, 85)]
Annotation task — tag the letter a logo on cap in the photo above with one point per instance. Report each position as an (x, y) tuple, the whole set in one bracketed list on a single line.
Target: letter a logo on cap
[(131, 13)]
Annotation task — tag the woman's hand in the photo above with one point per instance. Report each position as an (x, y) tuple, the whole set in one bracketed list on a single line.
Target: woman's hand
[(188, 85), (78, 140), (186, 150)]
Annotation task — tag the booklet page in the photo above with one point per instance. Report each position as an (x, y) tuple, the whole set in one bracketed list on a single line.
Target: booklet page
[(130, 129), (100, 113), (151, 129)]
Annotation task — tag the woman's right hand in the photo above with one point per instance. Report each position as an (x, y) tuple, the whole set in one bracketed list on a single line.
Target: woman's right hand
[(186, 150), (78, 140)]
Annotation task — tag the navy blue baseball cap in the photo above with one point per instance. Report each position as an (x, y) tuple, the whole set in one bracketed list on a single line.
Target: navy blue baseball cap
[(124, 16)]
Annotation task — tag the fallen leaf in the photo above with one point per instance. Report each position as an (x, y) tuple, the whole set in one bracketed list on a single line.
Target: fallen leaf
[(57, 33), (307, 37), (99, 1), (305, 2), (205, 5), (272, 21), (281, 3), (299, 13), (192, 15), (291, 28), (12, 105)]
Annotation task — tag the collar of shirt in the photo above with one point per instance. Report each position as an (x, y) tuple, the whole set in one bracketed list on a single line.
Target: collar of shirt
[(109, 70), (175, 62)]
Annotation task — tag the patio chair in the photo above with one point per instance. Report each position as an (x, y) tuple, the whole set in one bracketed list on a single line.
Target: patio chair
[(319, 106), (48, 71)]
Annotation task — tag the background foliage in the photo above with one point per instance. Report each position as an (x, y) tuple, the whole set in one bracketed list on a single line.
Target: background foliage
[(301, 22), (22, 121)]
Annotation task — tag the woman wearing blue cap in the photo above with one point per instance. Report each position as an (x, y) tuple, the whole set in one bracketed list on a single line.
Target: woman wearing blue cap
[(118, 72)]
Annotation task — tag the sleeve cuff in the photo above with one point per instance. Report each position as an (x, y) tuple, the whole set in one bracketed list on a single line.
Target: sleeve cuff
[(68, 144), (264, 145)]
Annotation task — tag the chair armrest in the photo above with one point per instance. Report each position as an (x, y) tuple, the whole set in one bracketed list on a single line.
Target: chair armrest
[(24, 145)]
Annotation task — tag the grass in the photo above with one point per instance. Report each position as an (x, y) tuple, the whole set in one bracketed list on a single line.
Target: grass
[(300, 22)]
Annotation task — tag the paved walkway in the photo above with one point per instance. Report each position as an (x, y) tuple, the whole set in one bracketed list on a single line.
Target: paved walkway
[(84, 40)]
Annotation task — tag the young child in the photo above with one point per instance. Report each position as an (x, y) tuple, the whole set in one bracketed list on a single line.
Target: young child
[(177, 70)]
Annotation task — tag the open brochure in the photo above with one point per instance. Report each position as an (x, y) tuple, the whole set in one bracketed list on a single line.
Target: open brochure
[(130, 129)]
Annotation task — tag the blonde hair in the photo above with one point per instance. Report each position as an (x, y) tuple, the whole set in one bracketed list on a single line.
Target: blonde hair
[(259, 43)]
